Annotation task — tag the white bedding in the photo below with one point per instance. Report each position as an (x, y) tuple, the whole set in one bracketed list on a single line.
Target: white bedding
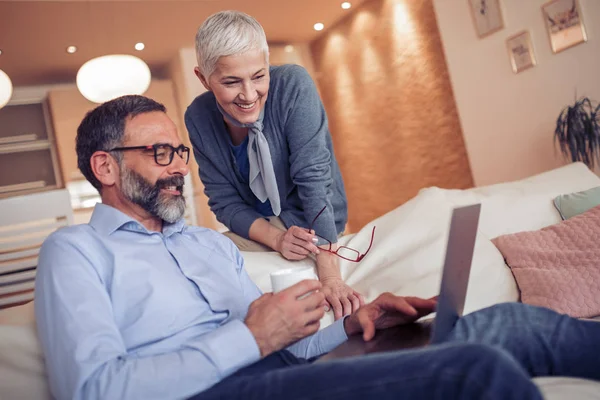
[(407, 257), (410, 241)]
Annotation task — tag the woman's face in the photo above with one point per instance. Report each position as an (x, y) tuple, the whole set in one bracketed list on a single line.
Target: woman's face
[(241, 84)]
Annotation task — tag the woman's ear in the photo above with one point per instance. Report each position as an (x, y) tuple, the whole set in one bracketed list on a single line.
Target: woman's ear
[(105, 168), (202, 78)]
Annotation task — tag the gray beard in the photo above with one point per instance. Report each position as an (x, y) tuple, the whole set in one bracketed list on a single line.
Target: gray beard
[(139, 191)]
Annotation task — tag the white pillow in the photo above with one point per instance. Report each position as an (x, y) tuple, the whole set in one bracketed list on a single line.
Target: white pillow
[(523, 205), (22, 369)]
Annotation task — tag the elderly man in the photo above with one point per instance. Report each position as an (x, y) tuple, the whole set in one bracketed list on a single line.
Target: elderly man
[(136, 305)]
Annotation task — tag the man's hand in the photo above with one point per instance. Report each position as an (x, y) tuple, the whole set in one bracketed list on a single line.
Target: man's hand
[(386, 311), (343, 299), (296, 243), (280, 319)]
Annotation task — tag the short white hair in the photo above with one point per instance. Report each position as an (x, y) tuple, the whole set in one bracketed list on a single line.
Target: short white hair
[(228, 33)]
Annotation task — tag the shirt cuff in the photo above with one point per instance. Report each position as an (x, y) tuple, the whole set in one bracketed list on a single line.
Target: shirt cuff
[(321, 342), (233, 347), (338, 333)]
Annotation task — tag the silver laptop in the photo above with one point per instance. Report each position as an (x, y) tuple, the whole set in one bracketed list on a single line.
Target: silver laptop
[(456, 271)]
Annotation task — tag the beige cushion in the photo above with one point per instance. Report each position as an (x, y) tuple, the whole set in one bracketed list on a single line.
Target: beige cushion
[(22, 369), (20, 315), (562, 388)]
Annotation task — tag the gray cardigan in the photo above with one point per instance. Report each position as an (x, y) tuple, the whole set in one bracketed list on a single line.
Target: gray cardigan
[(307, 173)]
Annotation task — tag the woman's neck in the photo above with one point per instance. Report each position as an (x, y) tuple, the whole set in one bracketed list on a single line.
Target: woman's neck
[(237, 134)]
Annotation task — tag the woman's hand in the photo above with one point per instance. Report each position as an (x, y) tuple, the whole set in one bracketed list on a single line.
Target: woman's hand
[(343, 299), (296, 243)]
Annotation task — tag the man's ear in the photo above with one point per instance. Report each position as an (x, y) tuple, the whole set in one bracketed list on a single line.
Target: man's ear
[(202, 78), (105, 168)]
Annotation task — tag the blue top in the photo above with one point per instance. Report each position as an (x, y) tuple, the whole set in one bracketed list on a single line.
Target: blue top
[(307, 173), (126, 313), (240, 156)]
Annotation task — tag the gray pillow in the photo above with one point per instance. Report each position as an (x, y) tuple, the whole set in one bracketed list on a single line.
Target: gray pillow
[(570, 205)]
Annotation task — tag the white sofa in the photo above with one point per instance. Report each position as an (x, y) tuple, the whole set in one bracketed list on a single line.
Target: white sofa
[(406, 259)]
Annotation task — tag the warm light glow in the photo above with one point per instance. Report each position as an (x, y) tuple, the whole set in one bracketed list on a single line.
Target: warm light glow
[(0, 52), (6, 89), (139, 46), (402, 20), (71, 49), (363, 22), (319, 26), (346, 5), (404, 37), (370, 61), (105, 78), (289, 48)]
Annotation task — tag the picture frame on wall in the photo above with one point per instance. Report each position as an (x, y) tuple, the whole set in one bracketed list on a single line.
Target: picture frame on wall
[(520, 51), (564, 24), (487, 16)]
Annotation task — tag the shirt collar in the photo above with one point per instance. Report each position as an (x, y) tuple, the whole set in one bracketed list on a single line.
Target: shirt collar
[(106, 220)]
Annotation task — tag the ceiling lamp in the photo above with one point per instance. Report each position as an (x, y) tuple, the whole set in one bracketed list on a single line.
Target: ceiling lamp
[(6, 89), (108, 77)]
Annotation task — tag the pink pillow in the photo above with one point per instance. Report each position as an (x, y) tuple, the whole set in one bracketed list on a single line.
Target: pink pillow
[(558, 267)]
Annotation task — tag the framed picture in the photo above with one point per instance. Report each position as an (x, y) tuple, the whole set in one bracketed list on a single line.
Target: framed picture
[(520, 51), (564, 24), (487, 16)]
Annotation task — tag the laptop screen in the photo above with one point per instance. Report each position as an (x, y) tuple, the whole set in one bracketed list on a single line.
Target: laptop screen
[(456, 271)]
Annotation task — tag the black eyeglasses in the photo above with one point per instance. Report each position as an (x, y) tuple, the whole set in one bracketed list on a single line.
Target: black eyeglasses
[(163, 153), (344, 252)]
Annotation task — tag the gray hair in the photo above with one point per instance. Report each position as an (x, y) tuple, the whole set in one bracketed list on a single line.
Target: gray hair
[(227, 33)]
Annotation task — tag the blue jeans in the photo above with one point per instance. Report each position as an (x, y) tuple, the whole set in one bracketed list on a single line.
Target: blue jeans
[(490, 354)]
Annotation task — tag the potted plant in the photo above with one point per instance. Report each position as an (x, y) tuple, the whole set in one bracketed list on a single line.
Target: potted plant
[(578, 132)]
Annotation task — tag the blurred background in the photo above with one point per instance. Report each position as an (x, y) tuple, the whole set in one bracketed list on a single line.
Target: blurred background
[(415, 96)]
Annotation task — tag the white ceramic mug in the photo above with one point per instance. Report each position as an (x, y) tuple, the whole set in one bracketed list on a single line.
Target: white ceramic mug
[(284, 278)]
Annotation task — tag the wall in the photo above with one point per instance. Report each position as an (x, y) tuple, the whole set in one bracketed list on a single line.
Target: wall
[(187, 87), (508, 119), (384, 82)]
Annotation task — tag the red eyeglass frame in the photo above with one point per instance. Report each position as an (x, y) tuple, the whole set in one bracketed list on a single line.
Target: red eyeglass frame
[(359, 256)]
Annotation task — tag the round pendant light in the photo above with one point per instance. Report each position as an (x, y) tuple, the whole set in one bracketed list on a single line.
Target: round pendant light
[(6, 89), (105, 78)]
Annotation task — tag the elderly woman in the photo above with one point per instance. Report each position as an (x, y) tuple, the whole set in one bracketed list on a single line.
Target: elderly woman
[(264, 151)]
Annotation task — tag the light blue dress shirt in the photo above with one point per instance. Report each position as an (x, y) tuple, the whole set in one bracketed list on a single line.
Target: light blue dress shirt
[(125, 313)]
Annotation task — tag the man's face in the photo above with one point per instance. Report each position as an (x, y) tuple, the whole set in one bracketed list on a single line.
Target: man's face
[(157, 189), (240, 84)]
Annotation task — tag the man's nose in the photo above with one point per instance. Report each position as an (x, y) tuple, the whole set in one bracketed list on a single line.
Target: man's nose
[(178, 165)]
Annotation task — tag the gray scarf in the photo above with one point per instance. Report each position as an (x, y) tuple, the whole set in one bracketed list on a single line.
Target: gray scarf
[(262, 175)]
